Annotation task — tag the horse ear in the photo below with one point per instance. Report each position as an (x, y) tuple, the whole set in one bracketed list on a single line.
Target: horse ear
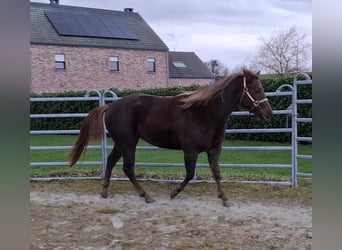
[(247, 73), (258, 73)]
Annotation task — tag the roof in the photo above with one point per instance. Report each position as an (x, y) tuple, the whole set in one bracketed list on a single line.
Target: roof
[(187, 65), (44, 30)]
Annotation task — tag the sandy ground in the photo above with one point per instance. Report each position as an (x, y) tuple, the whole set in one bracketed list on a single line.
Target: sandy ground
[(67, 218)]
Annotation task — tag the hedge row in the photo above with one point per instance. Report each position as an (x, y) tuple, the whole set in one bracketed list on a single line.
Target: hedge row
[(270, 85), (42, 107)]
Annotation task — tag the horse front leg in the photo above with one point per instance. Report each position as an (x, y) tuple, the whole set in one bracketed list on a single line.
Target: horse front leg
[(213, 158), (190, 159)]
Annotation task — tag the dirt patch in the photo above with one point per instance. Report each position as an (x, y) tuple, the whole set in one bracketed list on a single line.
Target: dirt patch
[(71, 215)]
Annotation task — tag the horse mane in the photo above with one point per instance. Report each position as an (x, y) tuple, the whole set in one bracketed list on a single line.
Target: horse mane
[(208, 93)]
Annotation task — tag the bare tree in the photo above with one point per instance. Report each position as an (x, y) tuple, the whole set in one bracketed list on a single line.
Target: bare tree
[(285, 52), (217, 68)]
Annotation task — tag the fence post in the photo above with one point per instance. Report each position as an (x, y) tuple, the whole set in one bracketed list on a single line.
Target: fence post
[(294, 135), (103, 141), (293, 108), (104, 138), (295, 120)]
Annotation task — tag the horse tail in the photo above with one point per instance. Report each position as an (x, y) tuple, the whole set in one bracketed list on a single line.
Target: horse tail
[(91, 130)]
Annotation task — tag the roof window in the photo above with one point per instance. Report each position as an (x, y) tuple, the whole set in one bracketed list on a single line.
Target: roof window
[(178, 64)]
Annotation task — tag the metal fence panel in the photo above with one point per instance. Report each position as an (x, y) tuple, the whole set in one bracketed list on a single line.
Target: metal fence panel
[(295, 137), (103, 97)]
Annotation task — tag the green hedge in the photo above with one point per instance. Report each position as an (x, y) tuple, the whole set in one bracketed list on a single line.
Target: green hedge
[(81, 106), (270, 85), (57, 108)]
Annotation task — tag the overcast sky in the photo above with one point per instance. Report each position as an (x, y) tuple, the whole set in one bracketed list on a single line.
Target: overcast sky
[(227, 30)]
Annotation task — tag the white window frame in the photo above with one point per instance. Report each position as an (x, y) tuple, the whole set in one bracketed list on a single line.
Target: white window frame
[(60, 62), (151, 65), (114, 63)]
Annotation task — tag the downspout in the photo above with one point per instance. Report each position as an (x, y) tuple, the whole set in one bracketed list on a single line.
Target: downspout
[(167, 68)]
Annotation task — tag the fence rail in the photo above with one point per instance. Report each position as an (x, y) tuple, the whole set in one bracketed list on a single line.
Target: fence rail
[(103, 97)]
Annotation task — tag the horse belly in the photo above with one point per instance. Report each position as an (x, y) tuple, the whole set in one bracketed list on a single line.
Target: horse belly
[(162, 139)]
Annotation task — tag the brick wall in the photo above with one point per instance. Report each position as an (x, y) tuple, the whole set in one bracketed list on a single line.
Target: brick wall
[(88, 68)]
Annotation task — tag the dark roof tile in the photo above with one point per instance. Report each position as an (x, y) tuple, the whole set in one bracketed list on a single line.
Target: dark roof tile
[(43, 32), (195, 68)]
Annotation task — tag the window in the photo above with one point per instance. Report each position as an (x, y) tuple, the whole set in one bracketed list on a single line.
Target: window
[(178, 64), (60, 61), (114, 63), (151, 65)]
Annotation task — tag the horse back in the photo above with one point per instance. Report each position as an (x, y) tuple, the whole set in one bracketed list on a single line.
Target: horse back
[(140, 109), (161, 121)]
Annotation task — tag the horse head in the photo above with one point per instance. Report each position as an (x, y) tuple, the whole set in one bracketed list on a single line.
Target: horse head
[(253, 96)]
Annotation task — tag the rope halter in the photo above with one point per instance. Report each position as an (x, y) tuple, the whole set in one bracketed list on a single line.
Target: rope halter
[(246, 91)]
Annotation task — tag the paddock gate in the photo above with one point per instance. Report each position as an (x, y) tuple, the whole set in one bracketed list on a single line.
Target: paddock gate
[(102, 97)]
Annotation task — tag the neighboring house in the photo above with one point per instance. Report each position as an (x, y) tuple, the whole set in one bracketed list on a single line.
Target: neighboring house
[(185, 69), (76, 48)]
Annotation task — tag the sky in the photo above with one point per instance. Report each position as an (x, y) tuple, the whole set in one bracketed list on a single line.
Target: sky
[(224, 30)]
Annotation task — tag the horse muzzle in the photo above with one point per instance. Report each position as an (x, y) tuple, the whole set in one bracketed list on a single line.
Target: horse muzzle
[(262, 110)]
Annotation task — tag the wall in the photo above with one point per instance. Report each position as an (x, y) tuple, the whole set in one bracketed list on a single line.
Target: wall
[(88, 68)]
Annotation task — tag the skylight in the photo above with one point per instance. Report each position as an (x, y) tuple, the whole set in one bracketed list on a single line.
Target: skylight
[(178, 64)]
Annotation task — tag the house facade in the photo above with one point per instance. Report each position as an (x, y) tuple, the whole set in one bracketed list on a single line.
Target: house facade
[(76, 48)]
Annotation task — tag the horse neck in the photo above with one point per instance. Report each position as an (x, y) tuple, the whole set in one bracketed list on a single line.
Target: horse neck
[(225, 103)]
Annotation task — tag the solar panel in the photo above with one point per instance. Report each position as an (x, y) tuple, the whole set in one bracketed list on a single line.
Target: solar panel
[(71, 24)]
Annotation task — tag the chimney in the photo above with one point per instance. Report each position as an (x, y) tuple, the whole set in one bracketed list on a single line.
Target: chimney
[(128, 9), (55, 2)]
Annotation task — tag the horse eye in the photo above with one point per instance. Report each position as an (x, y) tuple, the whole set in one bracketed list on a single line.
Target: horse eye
[(257, 89)]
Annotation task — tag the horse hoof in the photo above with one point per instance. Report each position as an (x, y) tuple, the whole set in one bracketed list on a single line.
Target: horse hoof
[(149, 199), (226, 203), (104, 195), (173, 194)]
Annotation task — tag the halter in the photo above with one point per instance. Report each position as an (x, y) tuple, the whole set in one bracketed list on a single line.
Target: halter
[(245, 91)]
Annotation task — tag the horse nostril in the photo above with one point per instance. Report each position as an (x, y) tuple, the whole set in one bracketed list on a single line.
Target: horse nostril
[(266, 115)]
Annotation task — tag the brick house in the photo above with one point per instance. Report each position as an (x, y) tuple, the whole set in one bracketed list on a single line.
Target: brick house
[(77, 48)]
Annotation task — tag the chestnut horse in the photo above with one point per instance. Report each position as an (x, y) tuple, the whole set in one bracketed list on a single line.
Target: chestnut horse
[(194, 122)]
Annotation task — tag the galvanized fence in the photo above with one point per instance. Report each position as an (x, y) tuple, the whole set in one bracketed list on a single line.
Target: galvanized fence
[(296, 120), (103, 97)]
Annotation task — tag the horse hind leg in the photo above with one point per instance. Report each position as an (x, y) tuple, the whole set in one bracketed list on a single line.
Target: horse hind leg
[(112, 159), (128, 168)]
